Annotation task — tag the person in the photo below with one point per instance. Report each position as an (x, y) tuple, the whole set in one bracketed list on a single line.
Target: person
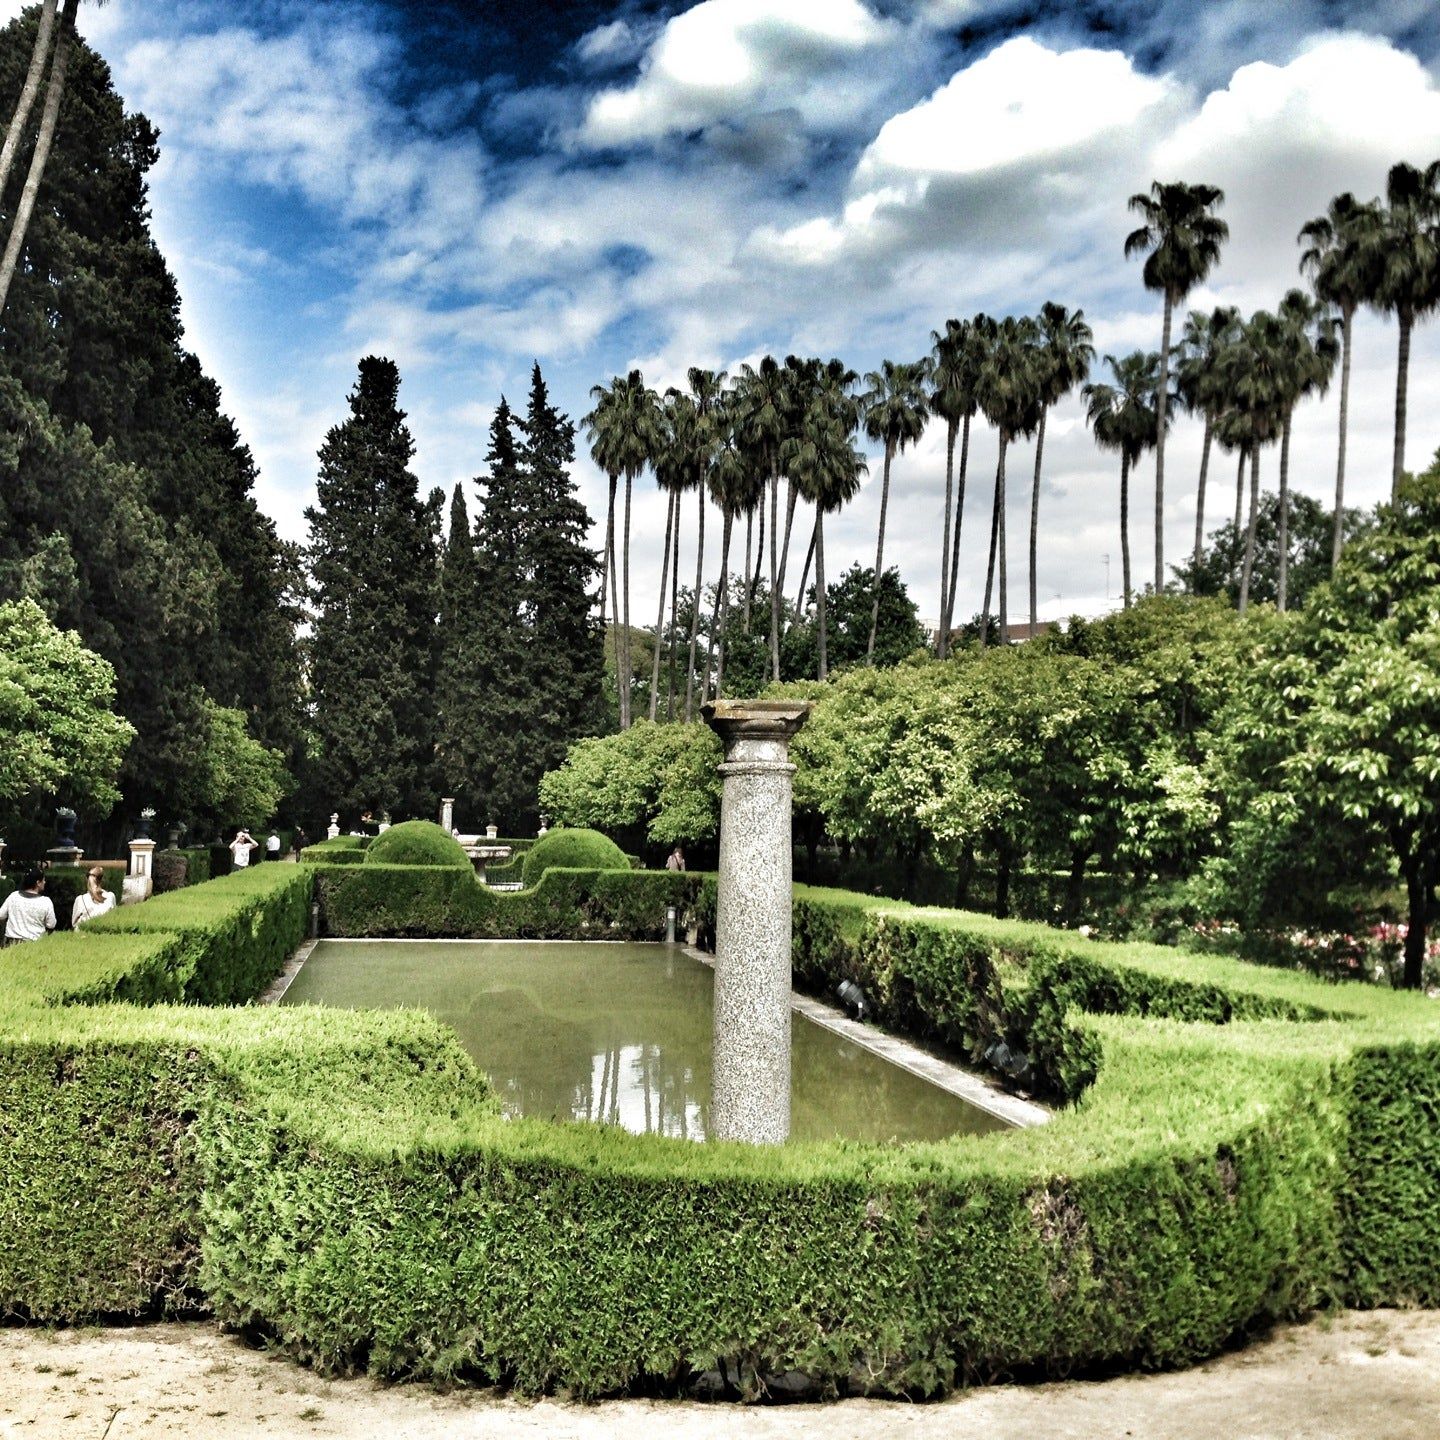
[(676, 859), (272, 847), (298, 841), (27, 912), (240, 848), (93, 900)]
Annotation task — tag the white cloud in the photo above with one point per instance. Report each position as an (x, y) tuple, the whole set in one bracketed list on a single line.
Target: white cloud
[(725, 58)]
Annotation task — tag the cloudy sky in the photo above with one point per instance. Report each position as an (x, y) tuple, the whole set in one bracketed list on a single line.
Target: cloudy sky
[(469, 186)]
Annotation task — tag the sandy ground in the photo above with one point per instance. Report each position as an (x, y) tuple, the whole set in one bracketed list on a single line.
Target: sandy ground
[(1373, 1375)]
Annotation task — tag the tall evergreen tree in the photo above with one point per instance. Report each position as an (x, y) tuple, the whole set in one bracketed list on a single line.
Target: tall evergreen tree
[(373, 563), (460, 665)]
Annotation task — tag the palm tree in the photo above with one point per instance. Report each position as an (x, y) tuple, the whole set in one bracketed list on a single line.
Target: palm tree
[(707, 390), (1341, 262), (1310, 352), (1008, 389), (1258, 375), (954, 368), (894, 409), (1407, 276), (1123, 417), (825, 467), (1065, 357), (54, 89), (833, 384), (674, 463), (1184, 236), (1198, 388), (764, 402), (624, 432), (736, 487)]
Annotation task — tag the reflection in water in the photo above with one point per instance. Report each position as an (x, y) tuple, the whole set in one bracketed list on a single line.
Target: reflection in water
[(619, 1034)]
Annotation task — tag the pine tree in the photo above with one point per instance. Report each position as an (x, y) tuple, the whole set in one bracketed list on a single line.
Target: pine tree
[(373, 564)]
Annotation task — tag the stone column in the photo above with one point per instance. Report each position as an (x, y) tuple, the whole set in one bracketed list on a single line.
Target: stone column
[(751, 1067), (447, 814), (139, 882)]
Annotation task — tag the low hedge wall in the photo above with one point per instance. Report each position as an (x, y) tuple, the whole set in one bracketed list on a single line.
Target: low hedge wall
[(449, 903), (1249, 1144)]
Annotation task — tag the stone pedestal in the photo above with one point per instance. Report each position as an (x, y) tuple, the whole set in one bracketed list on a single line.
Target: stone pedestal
[(492, 832), (139, 882), (332, 831), (447, 814), (65, 854), (751, 1064)]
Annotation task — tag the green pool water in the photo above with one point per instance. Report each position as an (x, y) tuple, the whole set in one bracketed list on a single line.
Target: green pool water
[(620, 1034)]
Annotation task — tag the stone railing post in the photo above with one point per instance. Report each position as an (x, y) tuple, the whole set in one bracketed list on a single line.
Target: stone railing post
[(447, 814), (750, 1076), (332, 831), (139, 882)]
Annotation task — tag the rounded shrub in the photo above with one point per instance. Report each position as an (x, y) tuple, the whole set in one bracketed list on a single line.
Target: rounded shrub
[(571, 850), (416, 842)]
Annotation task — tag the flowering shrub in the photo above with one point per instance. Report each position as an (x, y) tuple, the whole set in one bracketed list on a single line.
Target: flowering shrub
[(1376, 954)]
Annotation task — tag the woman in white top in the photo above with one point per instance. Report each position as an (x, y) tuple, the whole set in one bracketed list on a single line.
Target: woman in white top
[(93, 900)]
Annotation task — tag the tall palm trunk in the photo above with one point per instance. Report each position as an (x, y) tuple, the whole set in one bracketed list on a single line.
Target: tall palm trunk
[(1162, 399), (39, 54), (1125, 529), (721, 613), (54, 89), (791, 496), (1283, 537), (805, 572), (608, 554), (1239, 513), (615, 625), (1035, 522), (754, 580), (820, 606), (1004, 589), (948, 623), (660, 617), (1200, 504), (695, 608), (990, 566), (1402, 381), (674, 612), (749, 536), (1337, 543), (879, 553), (625, 585), (1248, 568), (774, 581), (951, 430)]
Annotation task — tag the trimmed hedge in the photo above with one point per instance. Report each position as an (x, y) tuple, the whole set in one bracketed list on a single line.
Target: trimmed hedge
[(576, 849), (1252, 1143), (416, 842)]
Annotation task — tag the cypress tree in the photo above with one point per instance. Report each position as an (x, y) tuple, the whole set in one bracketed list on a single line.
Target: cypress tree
[(373, 564), (462, 669)]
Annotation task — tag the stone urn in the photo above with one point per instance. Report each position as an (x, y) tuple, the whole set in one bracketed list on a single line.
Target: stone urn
[(143, 824), (65, 819)]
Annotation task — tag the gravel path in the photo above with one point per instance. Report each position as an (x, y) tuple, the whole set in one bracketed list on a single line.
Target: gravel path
[(1370, 1376)]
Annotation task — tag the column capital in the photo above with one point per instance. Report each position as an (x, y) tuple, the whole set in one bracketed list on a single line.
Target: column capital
[(734, 720)]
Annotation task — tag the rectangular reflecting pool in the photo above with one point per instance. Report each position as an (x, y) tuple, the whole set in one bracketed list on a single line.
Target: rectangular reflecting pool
[(619, 1033)]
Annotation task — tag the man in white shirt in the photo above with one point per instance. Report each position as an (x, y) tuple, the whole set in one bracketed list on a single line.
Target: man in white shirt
[(240, 848), (272, 847), (27, 912)]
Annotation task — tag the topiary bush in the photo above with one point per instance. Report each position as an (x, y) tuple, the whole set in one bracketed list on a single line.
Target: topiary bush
[(416, 842), (572, 850)]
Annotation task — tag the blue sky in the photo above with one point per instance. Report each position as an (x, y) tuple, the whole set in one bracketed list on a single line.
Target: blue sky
[(470, 186)]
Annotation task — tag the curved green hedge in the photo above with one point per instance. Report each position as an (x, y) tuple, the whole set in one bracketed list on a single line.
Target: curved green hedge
[(576, 849), (415, 842), (1242, 1144)]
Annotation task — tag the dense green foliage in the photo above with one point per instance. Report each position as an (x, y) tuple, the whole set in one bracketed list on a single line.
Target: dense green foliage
[(126, 505), (574, 849), (414, 842)]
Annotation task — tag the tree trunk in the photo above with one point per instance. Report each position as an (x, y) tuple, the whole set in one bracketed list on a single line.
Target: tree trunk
[(722, 607), (964, 873), (805, 573), (39, 54), (615, 623), (606, 566), (994, 549), (749, 536), (625, 585), (790, 497), (820, 608), (879, 553), (1402, 380), (1035, 523), (1003, 586), (1283, 537), (1200, 505), (1002, 882), (54, 89), (774, 572), (660, 617), (759, 563), (1239, 516), (1125, 529), (695, 609), (1075, 885), (1337, 543), (949, 622), (952, 429), (674, 611), (1249, 564), (1418, 907), (1162, 399)]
